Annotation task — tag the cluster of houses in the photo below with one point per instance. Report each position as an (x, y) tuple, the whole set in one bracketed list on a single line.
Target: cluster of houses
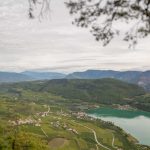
[(62, 113), (73, 130), (27, 121), (43, 114), (70, 129), (57, 124), (79, 115), (122, 107)]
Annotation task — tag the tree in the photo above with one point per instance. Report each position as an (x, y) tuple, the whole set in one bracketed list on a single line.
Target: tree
[(44, 7), (90, 12), (102, 15)]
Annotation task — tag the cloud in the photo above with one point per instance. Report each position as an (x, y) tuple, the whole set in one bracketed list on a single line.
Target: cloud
[(56, 44)]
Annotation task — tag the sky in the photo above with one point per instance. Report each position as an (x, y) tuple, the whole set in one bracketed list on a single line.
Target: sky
[(55, 44)]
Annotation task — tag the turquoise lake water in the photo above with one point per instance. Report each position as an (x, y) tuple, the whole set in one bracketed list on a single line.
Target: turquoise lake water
[(137, 123)]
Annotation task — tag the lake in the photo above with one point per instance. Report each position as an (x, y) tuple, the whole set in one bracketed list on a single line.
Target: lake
[(137, 123)]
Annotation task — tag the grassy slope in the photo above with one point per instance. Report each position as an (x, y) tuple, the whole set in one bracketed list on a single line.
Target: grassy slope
[(142, 102), (33, 137), (106, 91), (102, 90), (17, 102)]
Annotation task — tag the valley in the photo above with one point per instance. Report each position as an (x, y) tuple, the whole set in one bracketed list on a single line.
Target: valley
[(140, 78), (58, 129), (51, 115), (61, 89)]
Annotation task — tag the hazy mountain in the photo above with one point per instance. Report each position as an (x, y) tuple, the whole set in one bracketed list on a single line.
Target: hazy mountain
[(130, 76), (97, 74), (144, 80), (13, 77), (92, 74), (44, 75), (28, 76), (137, 77)]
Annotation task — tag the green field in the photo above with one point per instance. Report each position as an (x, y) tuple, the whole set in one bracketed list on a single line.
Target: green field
[(100, 91), (61, 129), (34, 117)]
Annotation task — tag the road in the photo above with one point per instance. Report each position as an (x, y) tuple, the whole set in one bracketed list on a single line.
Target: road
[(113, 140), (95, 136), (44, 132)]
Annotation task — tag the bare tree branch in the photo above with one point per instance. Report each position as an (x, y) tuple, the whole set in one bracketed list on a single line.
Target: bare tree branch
[(39, 8), (89, 13)]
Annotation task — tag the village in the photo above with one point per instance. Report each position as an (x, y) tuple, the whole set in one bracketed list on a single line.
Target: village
[(36, 121)]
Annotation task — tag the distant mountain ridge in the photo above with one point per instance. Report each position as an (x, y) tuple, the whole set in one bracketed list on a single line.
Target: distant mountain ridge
[(97, 74), (136, 77), (29, 76), (92, 74), (13, 77), (44, 75)]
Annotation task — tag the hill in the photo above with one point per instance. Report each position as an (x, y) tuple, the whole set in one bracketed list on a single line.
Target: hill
[(98, 74), (99, 90), (107, 91), (92, 74), (13, 77), (23, 126), (38, 114), (44, 75), (28, 76), (136, 77), (144, 80)]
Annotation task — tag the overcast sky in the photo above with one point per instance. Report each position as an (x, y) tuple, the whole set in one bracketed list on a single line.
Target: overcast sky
[(57, 45)]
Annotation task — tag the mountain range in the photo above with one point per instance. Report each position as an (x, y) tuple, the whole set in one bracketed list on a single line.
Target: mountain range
[(13, 77), (44, 75), (136, 77), (29, 76)]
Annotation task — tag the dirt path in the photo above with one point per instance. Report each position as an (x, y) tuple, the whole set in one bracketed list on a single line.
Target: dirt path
[(41, 127), (113, 140), (97, 147), (95, 136), (44, 132)]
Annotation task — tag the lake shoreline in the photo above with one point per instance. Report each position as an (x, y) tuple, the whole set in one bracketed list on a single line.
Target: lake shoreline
[(125, 120)]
